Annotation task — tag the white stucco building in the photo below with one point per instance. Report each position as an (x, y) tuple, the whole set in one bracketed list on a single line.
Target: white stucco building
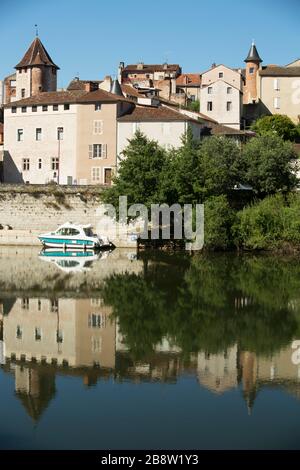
[(221, 95)]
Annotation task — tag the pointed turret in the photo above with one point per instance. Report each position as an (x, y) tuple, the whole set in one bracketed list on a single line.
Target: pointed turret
[(116, 88), (36, 54), (253, 61), (36, 72), (253, 55)]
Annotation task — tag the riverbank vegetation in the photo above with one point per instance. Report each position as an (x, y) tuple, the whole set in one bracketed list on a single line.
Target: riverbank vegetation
[(248, 190)]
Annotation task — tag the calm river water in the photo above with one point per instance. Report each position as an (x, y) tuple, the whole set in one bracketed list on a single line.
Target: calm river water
[(154, 351)]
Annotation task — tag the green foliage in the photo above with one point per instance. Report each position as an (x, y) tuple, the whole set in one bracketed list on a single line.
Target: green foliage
[(194, 106), (217, 223), (139, 173), (207, 304), (220, 166), (277, 124), (269, 223), (270, 165)]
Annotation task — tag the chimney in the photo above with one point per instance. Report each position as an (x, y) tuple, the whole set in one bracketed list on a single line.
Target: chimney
[(106, 84), (165, 66), (87, 86), (173, 85), (213, 65), (140, 65), (120, 72)]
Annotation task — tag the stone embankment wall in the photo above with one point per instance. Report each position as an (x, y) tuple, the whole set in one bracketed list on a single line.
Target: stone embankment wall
[(28, 210)]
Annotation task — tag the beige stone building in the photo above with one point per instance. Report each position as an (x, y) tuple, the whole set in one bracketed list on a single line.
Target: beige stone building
[(271, 89), (73, 332), (221, 95)]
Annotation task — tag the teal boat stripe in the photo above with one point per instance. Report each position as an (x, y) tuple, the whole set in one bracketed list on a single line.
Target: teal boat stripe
[(66, 241)]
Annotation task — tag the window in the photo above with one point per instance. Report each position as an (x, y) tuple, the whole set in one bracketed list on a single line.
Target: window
[(98, 107), (251, 70), (97, 321), (276, 84), (38, 334), (20, 135), (39, 305), (59, 336), (229, 90), (19, 332), (40, 164), (221, 74), (23, 92), (38, 133), (228, 106), (34, 109), (45, 107), (54, 164), (14, 109), (66, 107), (98, 127), (60, 133), (209, 90), (98, 151), (13, 83), (209, 106), (25, 303), (96, 174), (96, 345), (55, 107), (24, 109), (277, 103), (26, 164)]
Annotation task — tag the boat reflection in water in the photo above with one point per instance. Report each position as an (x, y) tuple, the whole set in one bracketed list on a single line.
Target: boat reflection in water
[(73, 261)]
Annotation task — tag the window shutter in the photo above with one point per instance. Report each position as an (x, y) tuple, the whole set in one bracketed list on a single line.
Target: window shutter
[(90, 151), (104, 150)]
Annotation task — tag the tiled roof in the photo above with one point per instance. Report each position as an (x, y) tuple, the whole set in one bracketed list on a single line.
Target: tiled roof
[(74, 96), (151, 114), (103, 97), (52, 97), (189, 79), (36, 55), (152, 68), (77, 84), (131, 91), (219, 129), (277, 71), (11, 77)]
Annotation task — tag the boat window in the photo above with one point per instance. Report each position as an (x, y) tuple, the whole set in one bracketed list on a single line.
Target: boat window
[(68, 263), (88, 232), (67, 231)]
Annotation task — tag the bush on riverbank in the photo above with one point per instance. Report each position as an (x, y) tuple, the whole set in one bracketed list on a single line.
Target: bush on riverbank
[(268, 224)]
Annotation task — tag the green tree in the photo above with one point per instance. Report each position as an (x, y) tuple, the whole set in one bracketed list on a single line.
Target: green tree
[(270, 165), (182, 182), (277, 124), (220, 166), (139, 173), (217, 223)]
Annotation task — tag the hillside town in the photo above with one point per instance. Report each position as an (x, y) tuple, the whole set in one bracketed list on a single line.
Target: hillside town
[(77, 135)]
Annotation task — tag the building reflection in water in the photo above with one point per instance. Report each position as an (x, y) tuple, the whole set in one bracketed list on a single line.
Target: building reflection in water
[(41, 338)]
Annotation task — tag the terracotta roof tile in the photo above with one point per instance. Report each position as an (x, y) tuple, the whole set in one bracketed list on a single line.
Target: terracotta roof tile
[(152, 68), (160, 114), (52, 97), (189, 79), (36, 54), (277, 71)]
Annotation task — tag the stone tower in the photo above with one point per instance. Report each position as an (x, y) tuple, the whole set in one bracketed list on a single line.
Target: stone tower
[(253, 62), (36, 72)]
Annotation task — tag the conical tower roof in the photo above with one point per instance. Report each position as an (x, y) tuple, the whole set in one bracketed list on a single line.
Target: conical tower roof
[(116, 88), (253, 55), (36, 54)]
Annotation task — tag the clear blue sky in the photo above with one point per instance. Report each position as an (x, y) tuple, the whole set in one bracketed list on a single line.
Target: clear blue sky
[(90, 38)]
